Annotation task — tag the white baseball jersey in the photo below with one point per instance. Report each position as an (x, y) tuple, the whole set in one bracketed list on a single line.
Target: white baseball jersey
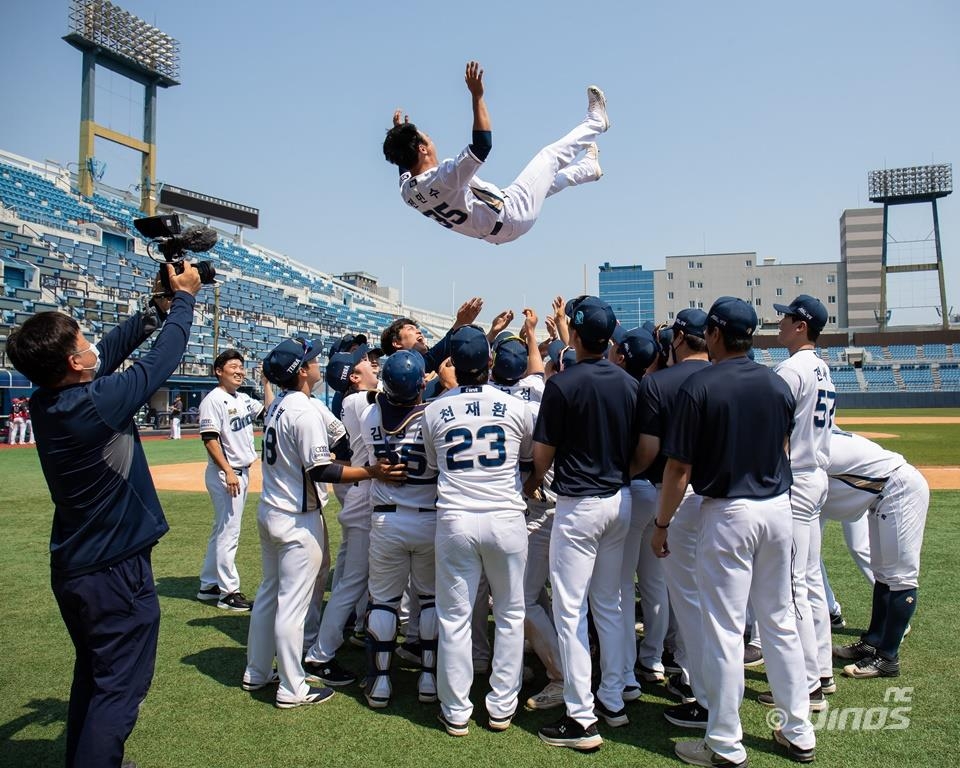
[(405, 445), (529, 388), (858, 470), (354, 407), (476, 436), (294, 442), (451, 195), (231, 418), (809, 380)]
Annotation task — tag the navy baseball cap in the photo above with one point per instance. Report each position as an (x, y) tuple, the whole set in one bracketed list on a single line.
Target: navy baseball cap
[(639, 348), (692, 322), (403, 374), (285, 359), (618, 335), (469, 349), (510, 358), (806, 308), (341, 365), (346, 341), (561, 355), (734, 316), (593, 320)]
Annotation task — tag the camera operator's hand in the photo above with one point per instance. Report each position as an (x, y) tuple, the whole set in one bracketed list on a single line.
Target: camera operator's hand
[(188, 280)]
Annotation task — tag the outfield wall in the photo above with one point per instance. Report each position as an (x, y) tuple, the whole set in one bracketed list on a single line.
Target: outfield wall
[(898, 399)]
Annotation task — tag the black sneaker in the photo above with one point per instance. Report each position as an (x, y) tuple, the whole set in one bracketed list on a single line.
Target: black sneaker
[(632, 693), (817, 701), (209, 594), (837, 621), (828, 685), (690, 715), (670, 665), (235, 601), (327, 673), (614, 719), (680, 689), (752, 655), (454, 729), (357, 638), (499, 723), (314, 696), (567, 732), (411, 652), (874, 666), (854, 651), (793, 752), (249, 685), (649, 674)]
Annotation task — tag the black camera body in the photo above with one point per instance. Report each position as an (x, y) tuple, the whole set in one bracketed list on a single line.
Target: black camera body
[(165, 234)]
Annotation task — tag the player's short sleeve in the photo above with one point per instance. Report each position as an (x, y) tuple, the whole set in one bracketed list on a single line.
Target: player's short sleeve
[(209, 416), (550, 428), (254, 406), (649, 417), (684, 429), (311, 439), (791, 376), (454, 174)]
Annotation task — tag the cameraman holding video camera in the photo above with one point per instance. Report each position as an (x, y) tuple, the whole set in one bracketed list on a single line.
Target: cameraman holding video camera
[(107, 516)]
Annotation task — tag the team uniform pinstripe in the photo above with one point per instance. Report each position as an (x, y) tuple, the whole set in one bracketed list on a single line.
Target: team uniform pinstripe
[(230, 417)]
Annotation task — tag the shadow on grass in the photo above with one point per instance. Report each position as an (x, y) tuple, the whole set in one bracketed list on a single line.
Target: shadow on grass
[(35, 752), (225, 665), (180, 587), (233, 625)]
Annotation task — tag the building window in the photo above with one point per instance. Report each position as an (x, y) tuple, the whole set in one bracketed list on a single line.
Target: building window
[(779, 291), (693, 305), (748, 263), (831, 278), (749, 283), (699, 285), (756, 281), (699, 265), (757, 302), (797, 280), (669, 294), (831, 299), (699, 305), (693, 284), (689, 265), (832, 319), (671, 315), (669, 275)]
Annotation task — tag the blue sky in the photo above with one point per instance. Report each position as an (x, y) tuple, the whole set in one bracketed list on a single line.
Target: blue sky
[(742, 126)]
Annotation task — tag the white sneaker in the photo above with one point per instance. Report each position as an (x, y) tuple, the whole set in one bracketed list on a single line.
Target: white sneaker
[(597, 107), (593, 155), (551, 696)]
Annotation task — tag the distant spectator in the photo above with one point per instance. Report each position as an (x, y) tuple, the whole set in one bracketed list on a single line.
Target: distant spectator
[(176, 410)]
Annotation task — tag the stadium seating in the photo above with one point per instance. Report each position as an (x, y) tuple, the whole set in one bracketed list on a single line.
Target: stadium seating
[(935, 351), (902, 351), (880, 378), (845, 379), (917, 378)]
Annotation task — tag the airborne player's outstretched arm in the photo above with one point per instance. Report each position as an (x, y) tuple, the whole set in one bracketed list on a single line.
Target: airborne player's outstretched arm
[(474, 80)]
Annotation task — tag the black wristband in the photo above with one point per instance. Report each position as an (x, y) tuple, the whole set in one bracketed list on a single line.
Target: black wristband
[(661, 527)]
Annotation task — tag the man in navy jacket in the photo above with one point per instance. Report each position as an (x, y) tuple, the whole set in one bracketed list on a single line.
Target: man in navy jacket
[(107, 516)]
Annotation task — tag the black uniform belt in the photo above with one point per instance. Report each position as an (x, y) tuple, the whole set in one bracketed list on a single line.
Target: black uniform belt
[(240, 470), (496, 228), (393, 508)]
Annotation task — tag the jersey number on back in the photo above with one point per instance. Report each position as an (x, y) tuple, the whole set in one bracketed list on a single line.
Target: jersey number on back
[(823, 412), (270, 446), (446, 217), (461, 438)]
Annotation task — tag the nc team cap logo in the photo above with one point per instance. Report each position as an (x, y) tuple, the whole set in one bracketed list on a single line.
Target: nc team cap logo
[(593, 319), (733, 315), (286, 358), (692, 322), (806, 308)]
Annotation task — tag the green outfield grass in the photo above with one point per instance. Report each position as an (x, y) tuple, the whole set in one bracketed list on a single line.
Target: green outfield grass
[(196, 715)]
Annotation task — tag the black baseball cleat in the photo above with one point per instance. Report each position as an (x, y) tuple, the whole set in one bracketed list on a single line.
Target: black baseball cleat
[(411, 652), (235, 601), (828, 685), (327, 673), (690, 715), (873, 666), (854, 651), (209, 594), (817, 701), (680, 689), (794, 752), (614, 719), (249, 685), (837, 621), (567, 732), (454, 729), (670, 665), (314, 696)]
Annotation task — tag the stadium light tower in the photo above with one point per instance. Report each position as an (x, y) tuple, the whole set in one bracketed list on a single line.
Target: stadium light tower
[(900, 186), (118, 40)]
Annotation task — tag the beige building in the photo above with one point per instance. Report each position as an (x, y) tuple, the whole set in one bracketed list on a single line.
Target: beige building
[(861, 254)]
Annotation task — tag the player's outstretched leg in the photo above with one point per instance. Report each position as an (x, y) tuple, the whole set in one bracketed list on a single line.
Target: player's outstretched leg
[(381, 638)]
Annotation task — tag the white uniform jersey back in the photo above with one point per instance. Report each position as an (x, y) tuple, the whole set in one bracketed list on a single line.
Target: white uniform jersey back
[(419, 490), (451, 195), (476, 437), (231, 417), (809, 380), (294, 442), (529, 388)]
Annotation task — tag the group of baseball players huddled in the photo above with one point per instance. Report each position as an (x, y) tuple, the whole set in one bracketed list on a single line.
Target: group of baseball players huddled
[(474, 477)]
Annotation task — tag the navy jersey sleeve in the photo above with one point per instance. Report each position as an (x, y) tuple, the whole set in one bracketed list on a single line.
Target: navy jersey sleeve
[(549, 429), (437, 353), (119, 396), (648, 408), (684, 429)]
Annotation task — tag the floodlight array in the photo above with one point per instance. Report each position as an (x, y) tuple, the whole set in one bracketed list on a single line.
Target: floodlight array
[(117, 31), (905, 183)]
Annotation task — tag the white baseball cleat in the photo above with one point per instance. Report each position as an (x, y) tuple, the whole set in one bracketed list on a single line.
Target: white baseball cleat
[(597, 107), (593, 155)]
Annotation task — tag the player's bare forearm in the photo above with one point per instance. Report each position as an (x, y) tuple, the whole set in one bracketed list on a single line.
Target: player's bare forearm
[(534, 358), (676, 477), (542, 459), (474, 80), (500, 322), (215, 452), (648, 446)]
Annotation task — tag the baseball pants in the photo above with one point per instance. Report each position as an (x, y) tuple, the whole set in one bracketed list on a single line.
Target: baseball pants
[(468, 543), (292, 551), (113, 617), (680, 575), (175, 428), (537, 626), (18, 430), (653, 589), (744, 554), (219, 565), (896, 521), (857, 535), (586, 554), (523, 199)]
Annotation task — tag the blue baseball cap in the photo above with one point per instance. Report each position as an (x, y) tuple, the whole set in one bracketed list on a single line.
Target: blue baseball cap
[(639, 348), (509, 359), (285, 359), (341, 365), (693, 322), (593, 320), (469, 349), (561, 355), (733, 315), (618, 335), (806, 308), (403, 374)]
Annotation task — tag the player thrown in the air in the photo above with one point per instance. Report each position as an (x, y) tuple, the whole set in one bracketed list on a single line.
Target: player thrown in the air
[(451, 193)]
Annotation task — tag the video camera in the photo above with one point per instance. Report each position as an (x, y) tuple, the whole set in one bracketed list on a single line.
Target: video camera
[(164, 233)]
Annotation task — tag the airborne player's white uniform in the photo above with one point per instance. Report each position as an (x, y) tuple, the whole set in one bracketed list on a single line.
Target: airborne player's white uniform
[(528, 389), (809, 380), (291, 528), (476, 436), (452, 195), (354, 520), (402, 533), (230, 417)]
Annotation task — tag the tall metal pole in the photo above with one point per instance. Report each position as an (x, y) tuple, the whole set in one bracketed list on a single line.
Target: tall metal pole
[(943, 290)]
